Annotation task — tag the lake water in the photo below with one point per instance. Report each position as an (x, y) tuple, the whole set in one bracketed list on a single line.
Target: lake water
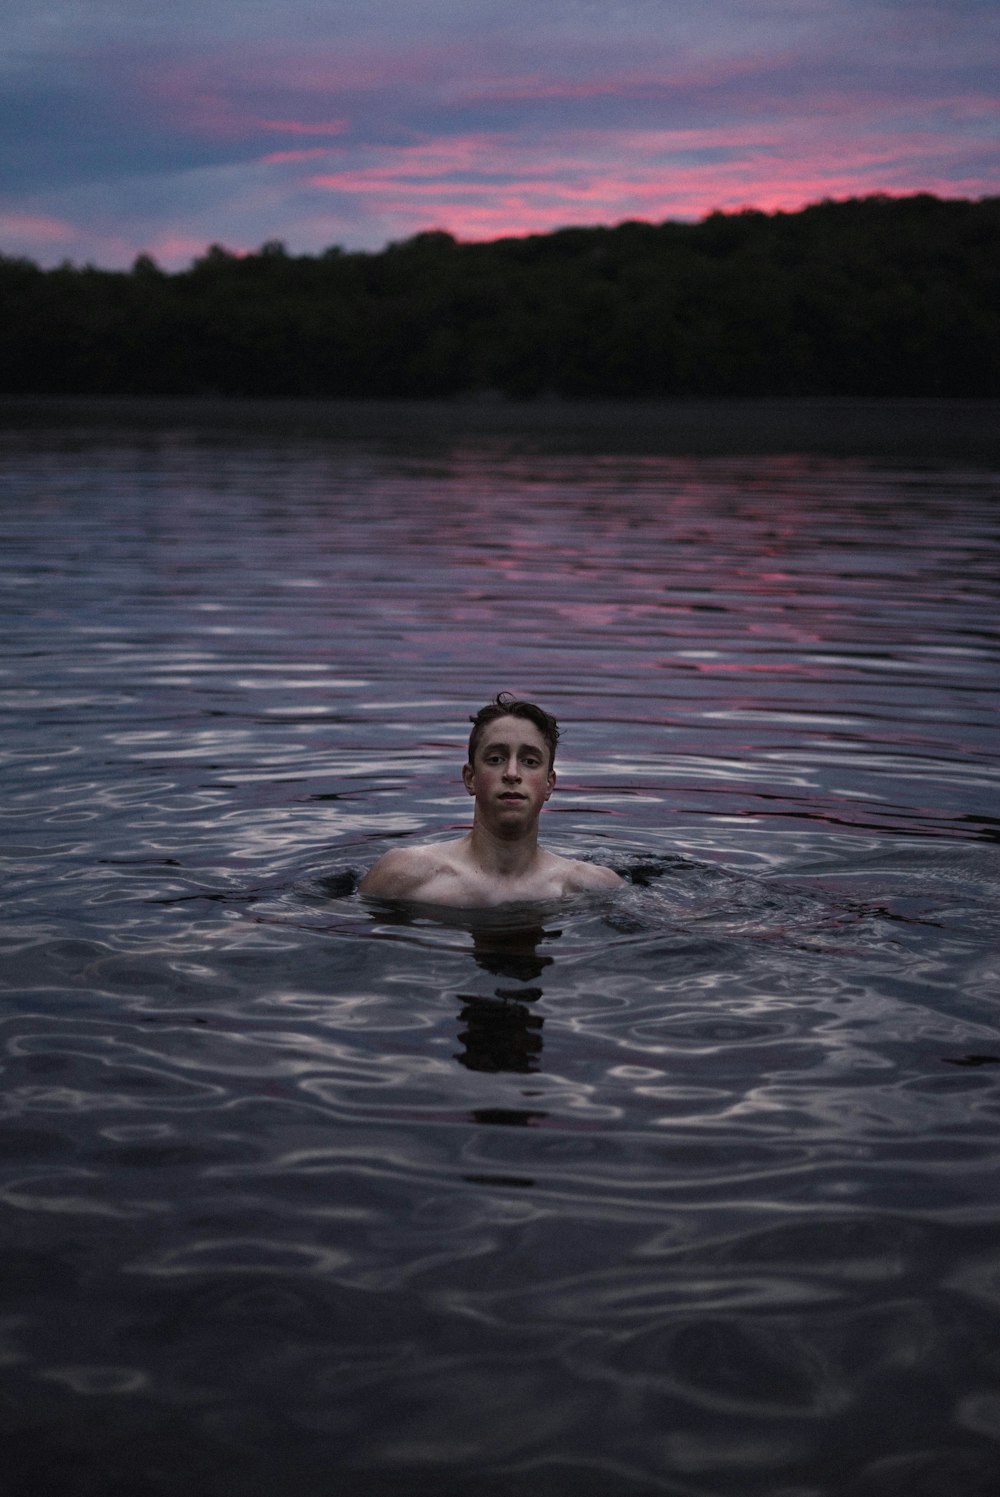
[(694, 1190)]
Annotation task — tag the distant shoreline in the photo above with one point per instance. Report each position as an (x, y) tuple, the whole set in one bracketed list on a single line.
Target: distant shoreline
[(919, 428)]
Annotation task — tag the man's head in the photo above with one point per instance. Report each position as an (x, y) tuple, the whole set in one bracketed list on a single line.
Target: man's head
[(504, 704)]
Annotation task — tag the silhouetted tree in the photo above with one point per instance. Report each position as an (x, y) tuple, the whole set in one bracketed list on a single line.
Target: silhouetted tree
[(870, 296)]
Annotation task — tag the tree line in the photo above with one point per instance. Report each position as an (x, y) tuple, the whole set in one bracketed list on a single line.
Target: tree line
[(872, 296)]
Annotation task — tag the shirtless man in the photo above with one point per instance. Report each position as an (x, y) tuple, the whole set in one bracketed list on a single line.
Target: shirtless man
[(509, 773)]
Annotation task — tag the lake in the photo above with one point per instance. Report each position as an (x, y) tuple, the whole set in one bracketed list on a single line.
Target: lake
[(691, 1190)]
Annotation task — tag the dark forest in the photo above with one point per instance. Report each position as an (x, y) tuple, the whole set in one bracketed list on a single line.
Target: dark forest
[(872, 296)]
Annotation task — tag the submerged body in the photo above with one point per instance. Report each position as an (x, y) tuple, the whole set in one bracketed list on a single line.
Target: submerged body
[(510, 775)]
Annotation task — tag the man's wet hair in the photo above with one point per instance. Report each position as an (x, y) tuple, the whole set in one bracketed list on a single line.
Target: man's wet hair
[(505, 704)]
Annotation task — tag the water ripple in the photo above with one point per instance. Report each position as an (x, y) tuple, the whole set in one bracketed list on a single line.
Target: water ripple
[(690, 1191)]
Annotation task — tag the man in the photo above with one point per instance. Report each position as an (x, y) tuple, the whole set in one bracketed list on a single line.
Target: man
[(510, 774)]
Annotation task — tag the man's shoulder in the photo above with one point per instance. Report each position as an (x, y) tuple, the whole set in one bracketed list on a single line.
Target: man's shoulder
[(579, 877), (403, 871)]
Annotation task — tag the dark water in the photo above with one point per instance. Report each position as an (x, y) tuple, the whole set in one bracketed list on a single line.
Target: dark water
[(694, 1191)]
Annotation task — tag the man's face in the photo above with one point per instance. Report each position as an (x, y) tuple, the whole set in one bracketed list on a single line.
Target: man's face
[(511, 778)]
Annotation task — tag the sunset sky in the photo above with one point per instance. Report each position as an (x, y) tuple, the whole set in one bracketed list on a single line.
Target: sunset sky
[(135, 126)]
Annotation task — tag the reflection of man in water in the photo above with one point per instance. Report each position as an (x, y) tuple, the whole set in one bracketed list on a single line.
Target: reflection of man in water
[(510, 773), (501, 1033)]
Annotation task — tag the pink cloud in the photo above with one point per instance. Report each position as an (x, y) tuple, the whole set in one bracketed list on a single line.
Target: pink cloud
[(303, 127), (185, 95), (482, 184), (484, 187), (280, 158), (666, 83), (211, 92), (24, 228), (173, 249)]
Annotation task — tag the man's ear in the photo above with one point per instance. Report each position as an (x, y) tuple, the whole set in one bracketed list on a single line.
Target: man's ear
[(552, 783), (468, 778)]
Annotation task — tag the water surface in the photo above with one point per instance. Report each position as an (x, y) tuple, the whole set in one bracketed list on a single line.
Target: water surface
[(692, 1190)]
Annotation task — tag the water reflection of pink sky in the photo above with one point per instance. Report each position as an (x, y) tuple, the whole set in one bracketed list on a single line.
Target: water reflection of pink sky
[(765, 638)]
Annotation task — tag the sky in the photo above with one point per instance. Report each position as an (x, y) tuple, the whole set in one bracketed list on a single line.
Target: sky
[(164, 126)]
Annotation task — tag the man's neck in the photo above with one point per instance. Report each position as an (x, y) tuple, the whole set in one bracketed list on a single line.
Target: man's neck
[(502, 857)]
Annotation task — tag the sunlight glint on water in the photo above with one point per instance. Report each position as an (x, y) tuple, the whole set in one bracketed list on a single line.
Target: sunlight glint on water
[(693, 1191)]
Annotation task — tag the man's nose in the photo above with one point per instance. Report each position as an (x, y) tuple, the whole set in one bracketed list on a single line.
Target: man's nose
[(511, 771)]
